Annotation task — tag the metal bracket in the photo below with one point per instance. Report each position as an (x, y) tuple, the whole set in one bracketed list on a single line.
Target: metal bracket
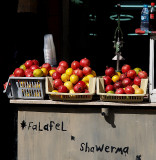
[(105, 111)]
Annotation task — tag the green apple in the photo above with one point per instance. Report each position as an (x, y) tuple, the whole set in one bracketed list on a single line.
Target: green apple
[(137, 70)]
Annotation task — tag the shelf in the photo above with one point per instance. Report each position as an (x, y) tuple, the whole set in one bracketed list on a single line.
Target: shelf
[(145, 34), (135, 34), (94, 103)]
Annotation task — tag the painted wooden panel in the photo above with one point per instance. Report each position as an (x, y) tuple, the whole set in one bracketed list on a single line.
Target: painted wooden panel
[(76, 134)]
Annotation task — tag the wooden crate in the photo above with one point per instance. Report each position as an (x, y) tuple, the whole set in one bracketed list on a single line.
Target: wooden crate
[(120, 97), (70, 96)]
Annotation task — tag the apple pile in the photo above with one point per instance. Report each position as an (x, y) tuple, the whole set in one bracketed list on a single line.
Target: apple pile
[(73, 78), (125, 82)]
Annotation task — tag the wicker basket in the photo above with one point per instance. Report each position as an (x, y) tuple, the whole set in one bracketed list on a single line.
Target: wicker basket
[(70, 96), (25, 88), (120, 97)]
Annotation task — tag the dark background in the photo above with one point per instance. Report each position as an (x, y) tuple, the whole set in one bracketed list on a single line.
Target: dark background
[(22, 39)]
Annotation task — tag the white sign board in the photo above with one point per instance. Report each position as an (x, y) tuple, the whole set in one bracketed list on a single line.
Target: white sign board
[(89, 136)]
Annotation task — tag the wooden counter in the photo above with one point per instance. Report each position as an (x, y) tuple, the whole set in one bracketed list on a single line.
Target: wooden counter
[(96, 103), (92, 130)]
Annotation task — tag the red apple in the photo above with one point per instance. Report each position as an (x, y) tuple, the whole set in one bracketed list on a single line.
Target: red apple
[(107, 80), (125, 68), (142, 74), (18, 72), (109, 88), (131, 74), (129, 90), (120, 91), (28, 63), (47, 66), (137, 81)]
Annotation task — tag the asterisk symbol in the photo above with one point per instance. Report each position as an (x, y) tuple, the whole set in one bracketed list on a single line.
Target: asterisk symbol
[(23, 124)]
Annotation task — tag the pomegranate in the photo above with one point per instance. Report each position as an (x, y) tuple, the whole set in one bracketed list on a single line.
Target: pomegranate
[(118, 85), (122, 76), (29, 74), (142, 74), (27, 71), (18, 72), (85, 62), (64, 64), (78, 88), (82, 83), (62, 89), (87, 70), (33, 67), (57, 83), (47, 66), (120, 91), (109, 88), (131, 74), (75, 65), (126, 82), (125, 68), (107, 80), (5, 85), (129, 90), (86, 91), (110, 71), (137, 81), (12, 75), (60, 69), (35, 62), (78, 72), (28, 63), (54, 68), (56, 75)]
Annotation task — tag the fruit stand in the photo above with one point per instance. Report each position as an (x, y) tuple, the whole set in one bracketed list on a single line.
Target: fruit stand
[(69, 112)]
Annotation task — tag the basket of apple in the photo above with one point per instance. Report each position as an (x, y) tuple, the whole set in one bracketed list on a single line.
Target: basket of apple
[(129, 85), (72, 82), (28, 80)]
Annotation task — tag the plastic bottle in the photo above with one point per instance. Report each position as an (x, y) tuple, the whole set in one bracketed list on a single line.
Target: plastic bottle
[(145, 18), (152, 20)]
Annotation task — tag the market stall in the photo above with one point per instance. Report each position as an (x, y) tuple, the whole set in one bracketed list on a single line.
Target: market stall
[(65, 110)]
